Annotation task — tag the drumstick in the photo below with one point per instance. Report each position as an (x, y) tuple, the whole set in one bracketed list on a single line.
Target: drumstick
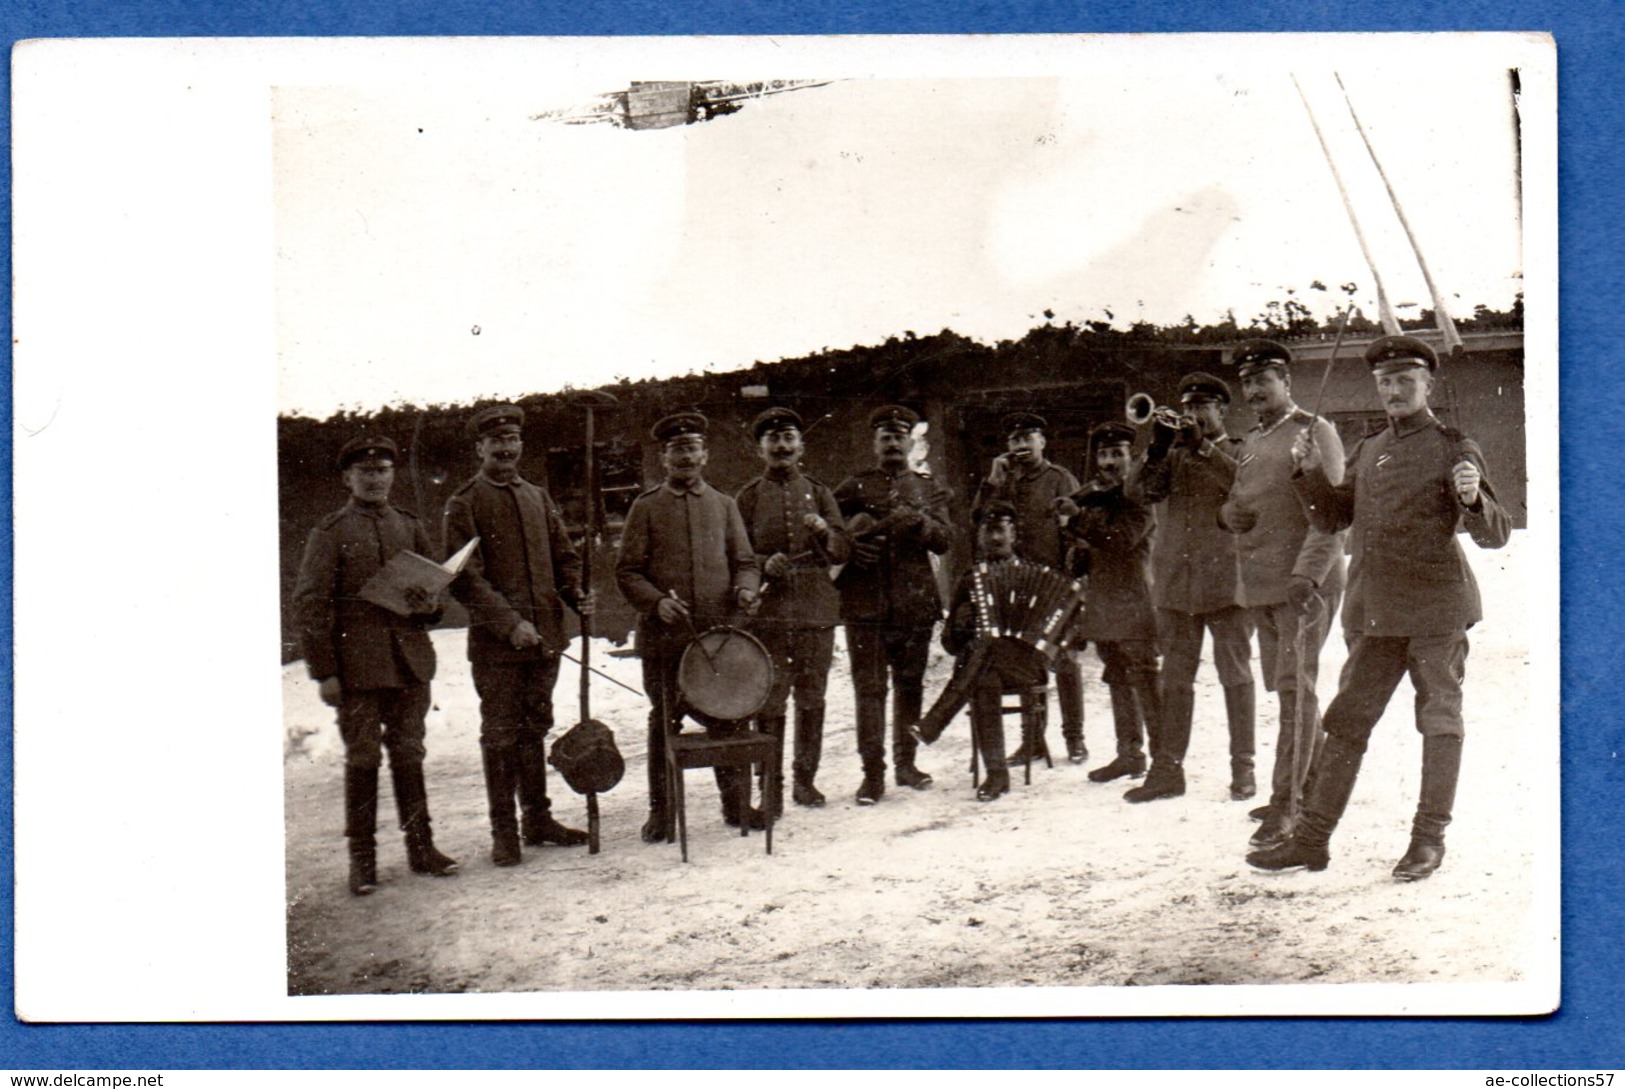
[(688, 619)]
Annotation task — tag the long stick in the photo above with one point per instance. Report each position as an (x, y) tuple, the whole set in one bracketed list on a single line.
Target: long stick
[(1385, 312), (567, 656), (1320, 394), (1447, 327)]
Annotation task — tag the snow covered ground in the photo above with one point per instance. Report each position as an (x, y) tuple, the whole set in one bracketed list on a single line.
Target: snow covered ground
[(1059, 884)]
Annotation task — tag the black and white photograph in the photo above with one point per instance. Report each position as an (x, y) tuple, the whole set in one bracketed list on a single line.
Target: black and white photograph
[(853, 527)]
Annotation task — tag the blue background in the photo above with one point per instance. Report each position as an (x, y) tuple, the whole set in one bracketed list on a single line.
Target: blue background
[(1590, 1029)]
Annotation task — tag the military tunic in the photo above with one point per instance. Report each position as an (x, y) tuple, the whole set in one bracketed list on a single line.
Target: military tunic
[(891, 606), (1033, 494), (799, 610), (384, 662), (689, 541), (525, 567), (1412, 595)]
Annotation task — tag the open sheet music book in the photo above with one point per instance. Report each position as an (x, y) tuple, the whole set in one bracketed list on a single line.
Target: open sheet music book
[(406, 568)]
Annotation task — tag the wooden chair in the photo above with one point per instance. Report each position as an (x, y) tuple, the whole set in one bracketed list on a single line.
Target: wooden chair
[(1032, 704), (744, 749)]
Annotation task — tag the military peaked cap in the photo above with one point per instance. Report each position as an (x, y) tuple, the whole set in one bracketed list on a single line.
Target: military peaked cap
[(893, 418), (775, 419), (1252, 356), (1019, 423), (1111, 433), (1400, 353), (680, 425), (1199, 386), (491, 417), (367, 446), (998, 510)]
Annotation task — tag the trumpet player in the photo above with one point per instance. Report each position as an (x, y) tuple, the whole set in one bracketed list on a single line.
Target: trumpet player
[(1291, 571), (896, 518), (1109, 531), (1189, 468), (1407, 492), (1023, 477)]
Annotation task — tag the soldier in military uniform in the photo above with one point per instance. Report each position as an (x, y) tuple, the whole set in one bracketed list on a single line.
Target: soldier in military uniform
[(1291, 572), (1109, 530), (1025, 478), (897, 517), (1189, 469), (797, 531), (1011, 664), (1407, 492), (516, 585), (371, 664), (686, 564)]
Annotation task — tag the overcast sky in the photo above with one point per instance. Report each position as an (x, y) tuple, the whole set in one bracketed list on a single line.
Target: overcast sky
[(436, 245)]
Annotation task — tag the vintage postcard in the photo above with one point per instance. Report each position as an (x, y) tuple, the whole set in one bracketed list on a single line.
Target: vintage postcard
[(1097, 475)]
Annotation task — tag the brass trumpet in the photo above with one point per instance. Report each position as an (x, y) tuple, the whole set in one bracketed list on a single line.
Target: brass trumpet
[(1142, 409)]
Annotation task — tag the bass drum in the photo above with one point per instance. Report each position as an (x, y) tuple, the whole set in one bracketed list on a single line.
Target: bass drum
[(724, 676)]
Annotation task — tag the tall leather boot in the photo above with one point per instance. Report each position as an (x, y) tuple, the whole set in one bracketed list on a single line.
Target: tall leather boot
[(1306, 847), (1278, 816), (809, 752), (1239, 710), (907, 702), (1130, 759), (773, 778), (360, 826), (1069, 694), (1441, 768), (536, 824), (412, 806), (871, 716), (987, 719), (1170, 741), (1170, 728), (501, 781), (733, 787)]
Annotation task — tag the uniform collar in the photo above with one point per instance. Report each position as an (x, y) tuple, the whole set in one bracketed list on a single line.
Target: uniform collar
[(1410, 425), (782, 476), (514, 483), (699, 487), (371, 512)]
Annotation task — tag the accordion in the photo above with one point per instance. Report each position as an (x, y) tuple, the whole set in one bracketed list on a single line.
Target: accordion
[(1027, 601)]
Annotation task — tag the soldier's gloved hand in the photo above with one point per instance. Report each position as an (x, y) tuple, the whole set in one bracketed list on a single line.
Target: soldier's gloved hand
[(420, 601), (865, 553), (1190, 433), (587, 604), (1066, 508), (749, 600), (332, 691), (1466, 478), (524, 636), (776, 566), (815, 523), (1162, 438), (671, 611), (1300, 593), (909, 522)]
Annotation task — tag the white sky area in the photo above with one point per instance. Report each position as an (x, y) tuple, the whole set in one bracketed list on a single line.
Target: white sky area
[(1151, 187)]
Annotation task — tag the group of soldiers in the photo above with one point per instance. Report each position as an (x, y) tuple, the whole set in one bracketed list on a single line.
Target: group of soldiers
[(1204, 533)]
